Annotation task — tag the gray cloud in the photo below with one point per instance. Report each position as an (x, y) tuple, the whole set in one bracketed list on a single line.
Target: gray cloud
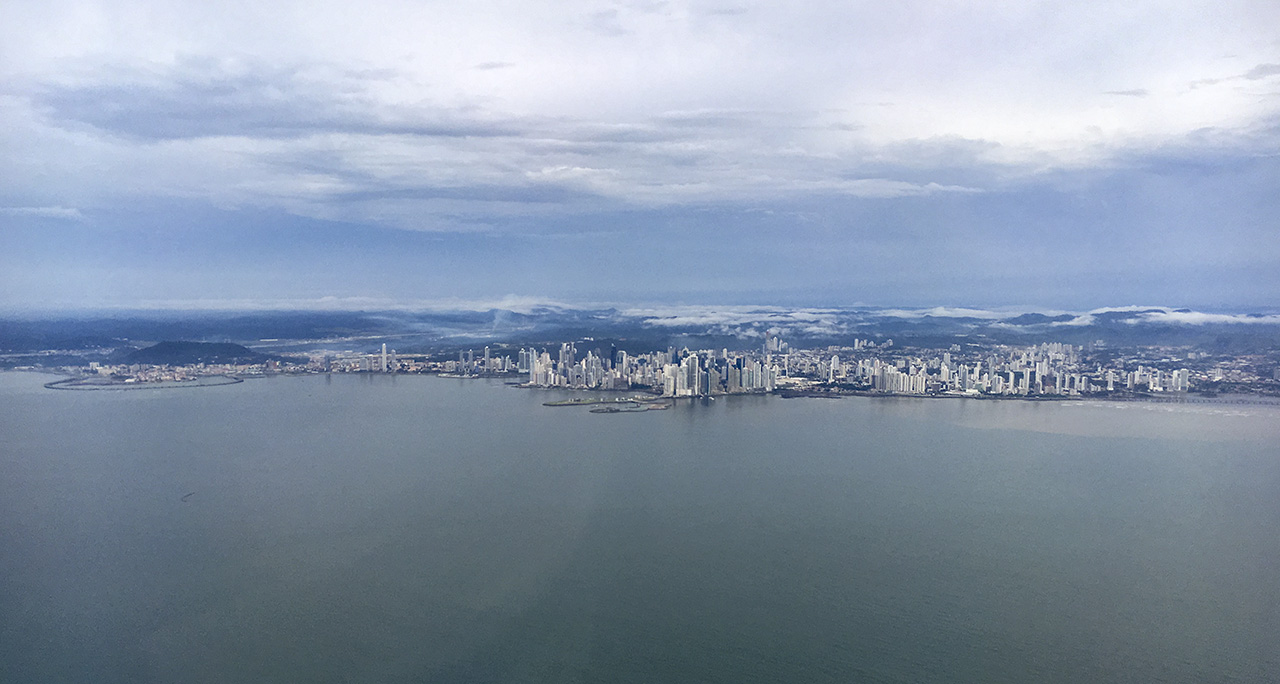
[(193, 103), (1257, 73), (727, 11), (1262, 71), (606, 22), (327, 148), (475, 193), (858, 147)]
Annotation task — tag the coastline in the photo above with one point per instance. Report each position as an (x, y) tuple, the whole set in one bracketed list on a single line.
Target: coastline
[(94, 384), (84, 384), (792, 393)]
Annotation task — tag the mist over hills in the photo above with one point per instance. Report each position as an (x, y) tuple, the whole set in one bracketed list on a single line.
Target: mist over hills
[(638, 328)]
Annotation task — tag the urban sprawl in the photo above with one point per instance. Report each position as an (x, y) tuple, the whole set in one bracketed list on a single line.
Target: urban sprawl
[(867, 367)]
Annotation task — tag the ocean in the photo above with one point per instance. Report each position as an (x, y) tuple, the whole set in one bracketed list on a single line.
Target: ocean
[(371, 528)]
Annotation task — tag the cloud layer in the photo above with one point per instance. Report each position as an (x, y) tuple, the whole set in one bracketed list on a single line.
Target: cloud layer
[(938, 128)]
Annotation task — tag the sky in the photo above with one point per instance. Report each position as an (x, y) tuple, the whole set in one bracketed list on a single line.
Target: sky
[(1057, 154)]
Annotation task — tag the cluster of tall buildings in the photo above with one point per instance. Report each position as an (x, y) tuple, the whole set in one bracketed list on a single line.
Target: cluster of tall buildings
[(680, 373), (866, 366), (383, 362), (1159, 381), (1047, 369)]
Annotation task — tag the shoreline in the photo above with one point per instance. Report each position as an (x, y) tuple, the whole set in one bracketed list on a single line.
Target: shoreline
[(82, 384), (1182, 398)]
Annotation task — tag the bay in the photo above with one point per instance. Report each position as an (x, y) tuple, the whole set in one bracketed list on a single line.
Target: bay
[(404, 529)]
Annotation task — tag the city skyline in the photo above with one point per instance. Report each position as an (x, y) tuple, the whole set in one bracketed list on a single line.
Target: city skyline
[(966, 368), (1069, 156)]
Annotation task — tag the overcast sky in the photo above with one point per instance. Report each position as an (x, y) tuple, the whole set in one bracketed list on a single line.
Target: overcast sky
[(1065, 154)]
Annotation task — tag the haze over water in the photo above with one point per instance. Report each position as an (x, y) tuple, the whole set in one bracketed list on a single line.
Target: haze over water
[(407, 529)]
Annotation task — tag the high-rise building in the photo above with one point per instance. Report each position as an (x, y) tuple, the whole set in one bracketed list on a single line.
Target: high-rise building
[(687, 382)]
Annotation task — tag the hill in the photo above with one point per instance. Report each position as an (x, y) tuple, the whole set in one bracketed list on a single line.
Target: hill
[(185, 353)]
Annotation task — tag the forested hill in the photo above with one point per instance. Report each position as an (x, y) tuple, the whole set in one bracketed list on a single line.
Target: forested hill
[(184, 353)]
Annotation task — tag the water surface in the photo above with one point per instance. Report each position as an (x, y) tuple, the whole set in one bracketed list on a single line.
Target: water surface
[(409, 529)]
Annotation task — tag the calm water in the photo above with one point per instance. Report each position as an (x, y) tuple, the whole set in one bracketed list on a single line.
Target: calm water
[(417, 529)]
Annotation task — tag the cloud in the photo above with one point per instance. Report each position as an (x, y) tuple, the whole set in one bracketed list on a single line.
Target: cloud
[(606, 22), (1200, 318), (1257, 73), (732, 319), (727, 11), (1262, 71), (320, 139), (1164, 314), (883, 187), (1131, 308), (829, 143), (522, 304), (946, 312), (1079, 321), (201, 100), (67, 213), (727, 317)]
